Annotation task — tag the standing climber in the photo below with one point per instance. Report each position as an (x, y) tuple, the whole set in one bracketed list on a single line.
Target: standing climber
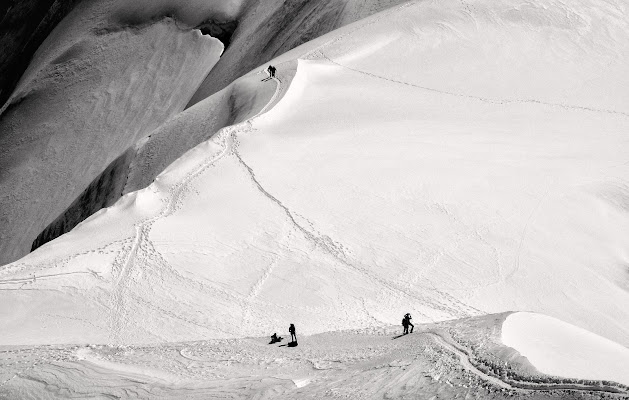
[(293, 336), (406, 322), (271, 71)]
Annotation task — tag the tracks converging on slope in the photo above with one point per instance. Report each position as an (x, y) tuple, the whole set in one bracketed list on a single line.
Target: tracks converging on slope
[(126, 259)]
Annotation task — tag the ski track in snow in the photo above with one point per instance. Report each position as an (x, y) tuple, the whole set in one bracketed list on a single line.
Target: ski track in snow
[(225, 137), (450, 305), (259, 284), (498, 101)]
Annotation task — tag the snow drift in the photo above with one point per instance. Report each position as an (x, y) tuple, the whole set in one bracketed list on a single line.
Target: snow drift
[(557, 348)]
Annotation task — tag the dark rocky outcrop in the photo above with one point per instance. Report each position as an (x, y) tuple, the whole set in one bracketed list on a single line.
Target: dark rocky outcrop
[(222, 31)]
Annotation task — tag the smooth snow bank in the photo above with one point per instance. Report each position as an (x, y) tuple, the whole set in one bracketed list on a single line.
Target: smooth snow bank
[(557, 348)]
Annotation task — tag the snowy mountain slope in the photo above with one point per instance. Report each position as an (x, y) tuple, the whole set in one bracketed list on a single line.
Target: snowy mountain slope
[(243, 99), (89, 93), (260, 30), (137, 167), (449, 360), (358, 196), (269, 28)]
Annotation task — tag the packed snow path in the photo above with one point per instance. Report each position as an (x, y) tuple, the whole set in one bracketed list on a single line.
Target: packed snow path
[(142, 248), (352, 364)]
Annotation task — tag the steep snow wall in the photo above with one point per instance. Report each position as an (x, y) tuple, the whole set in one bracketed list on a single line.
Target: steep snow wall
[(24, 25), (94, 88)]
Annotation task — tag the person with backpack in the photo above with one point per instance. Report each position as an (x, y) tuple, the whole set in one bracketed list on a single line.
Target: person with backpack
[(271, 71), (406, 322), (293, 335)]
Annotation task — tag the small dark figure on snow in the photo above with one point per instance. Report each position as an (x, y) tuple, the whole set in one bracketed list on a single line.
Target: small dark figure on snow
[(275, 338), (271, 70), (406, 322), (293, 336)]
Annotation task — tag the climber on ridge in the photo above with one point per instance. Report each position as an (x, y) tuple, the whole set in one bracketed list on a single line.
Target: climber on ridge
[(406, 322), (293, 335), (271, 71)]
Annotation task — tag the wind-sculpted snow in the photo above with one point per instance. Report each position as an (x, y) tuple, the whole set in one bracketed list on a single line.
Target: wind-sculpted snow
[(557, 348), (374, 363), (88, 95), (368, 188)]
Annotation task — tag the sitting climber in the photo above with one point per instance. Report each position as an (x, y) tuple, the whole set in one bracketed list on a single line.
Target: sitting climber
[(275, 338)]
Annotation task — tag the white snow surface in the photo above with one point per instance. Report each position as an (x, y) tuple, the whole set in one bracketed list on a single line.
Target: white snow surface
[(558, 348), (441, 158)]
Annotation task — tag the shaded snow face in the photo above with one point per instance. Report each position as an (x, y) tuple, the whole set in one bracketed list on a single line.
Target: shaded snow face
[(85, 99), (188, 12)]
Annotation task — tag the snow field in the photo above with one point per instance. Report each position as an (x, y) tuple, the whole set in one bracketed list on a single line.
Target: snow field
[(557, 348)]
